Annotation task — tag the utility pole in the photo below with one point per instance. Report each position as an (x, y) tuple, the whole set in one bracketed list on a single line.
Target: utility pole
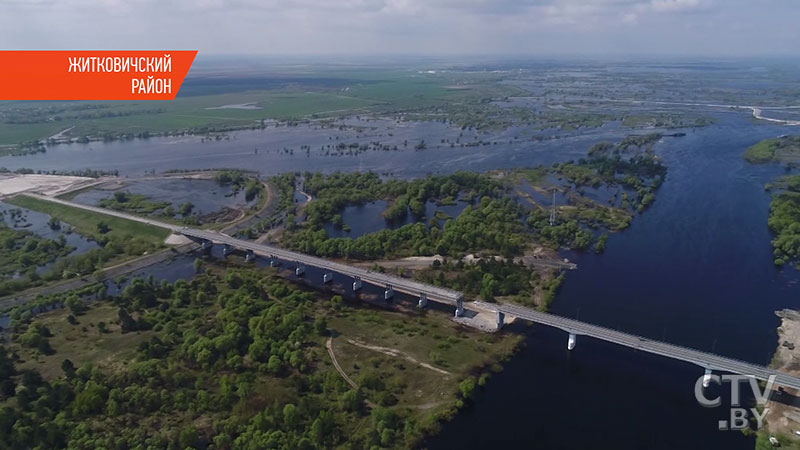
[(553, 210)]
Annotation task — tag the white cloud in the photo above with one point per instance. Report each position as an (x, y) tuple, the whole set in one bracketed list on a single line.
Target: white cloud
[(675, 5), (401, 26)]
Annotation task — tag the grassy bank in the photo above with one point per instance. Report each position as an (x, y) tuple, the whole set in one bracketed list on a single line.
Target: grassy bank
[(785, 149), (86, 222)]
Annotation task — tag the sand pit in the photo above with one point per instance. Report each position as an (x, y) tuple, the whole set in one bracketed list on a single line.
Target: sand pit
[(12, 183)]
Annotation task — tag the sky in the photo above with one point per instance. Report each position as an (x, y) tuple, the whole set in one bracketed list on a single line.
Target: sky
[(409, 27)]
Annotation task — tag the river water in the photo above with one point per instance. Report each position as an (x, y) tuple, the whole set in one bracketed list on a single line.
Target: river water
[(694, 269)]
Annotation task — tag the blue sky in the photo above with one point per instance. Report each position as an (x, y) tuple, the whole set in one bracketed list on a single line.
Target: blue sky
[(443, 27)]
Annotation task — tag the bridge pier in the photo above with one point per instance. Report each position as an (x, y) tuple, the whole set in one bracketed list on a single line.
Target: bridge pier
[(423, 300), (299, 270), (251, 256), (226, 250), (273, 261), (501, 317), (459, 306), (388, 293), (205, 244), (357, 284), (571, 341), (327, 277), (707, 378)]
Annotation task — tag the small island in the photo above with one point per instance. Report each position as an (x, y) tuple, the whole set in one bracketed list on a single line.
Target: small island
[(783, 149)]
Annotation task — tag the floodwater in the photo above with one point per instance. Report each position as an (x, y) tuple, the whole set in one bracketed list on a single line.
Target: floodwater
[(207, 196), (37, 223), (138, 157), (368, 218), (694, 269)]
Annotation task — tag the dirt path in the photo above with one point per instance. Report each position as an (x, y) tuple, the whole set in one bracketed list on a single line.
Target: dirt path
[(329, 346), (244, 218), (393, 352)]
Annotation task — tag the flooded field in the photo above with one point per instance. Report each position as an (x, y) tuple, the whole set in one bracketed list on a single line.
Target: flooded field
[(368, 218), (207, 196), (39, 224)]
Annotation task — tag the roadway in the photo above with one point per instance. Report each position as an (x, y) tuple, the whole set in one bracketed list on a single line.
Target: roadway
[(706, 360), (398, 284)]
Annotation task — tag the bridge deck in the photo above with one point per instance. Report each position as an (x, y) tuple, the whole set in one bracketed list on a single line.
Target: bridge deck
[(380, 279), (703, 359), (399, 284)]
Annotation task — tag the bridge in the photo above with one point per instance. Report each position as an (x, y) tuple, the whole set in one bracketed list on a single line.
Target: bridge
[(206, 238), (391, 283), (575, 328)]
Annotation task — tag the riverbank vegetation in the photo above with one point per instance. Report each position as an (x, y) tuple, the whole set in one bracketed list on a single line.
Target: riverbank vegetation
[(23, 252), (784, 209), (234, 359), (784, 219), (488, 222), (784, 149), (498, 220), (119, 239)]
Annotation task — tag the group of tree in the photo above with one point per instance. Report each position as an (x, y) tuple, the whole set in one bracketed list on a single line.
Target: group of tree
[(230, 362)]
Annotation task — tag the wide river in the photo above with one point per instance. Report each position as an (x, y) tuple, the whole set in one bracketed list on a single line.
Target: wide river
[(695, 269)]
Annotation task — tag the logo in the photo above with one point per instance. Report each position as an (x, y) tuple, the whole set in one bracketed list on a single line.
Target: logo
[(739, 416)]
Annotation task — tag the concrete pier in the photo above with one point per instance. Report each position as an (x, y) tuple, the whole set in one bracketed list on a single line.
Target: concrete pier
[(299, 270), (226, 250), (571, 341), (357, 284), (388, 293), (501, 317), (251, 256), (327, 277), (459, 306), (206, 244), (707, 378), (423, 300)]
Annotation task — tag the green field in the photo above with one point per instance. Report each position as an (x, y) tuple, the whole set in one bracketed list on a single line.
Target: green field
[(380, 92)]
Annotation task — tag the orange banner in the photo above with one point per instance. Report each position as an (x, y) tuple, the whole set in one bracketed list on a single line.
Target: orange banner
[(93, 75)]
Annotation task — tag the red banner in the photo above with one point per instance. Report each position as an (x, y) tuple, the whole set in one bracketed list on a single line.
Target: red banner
[(93, 75)]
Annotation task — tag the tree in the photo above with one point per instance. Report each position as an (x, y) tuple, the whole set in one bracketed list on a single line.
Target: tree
[(74, 304), (188, 437), (321, 326), (467, 387), (126, 322), (198, 265), (68, 368), (121, 196), (103, 227), (54, 223), (274, 364), (185, 209), (488, 287), (351, 400), (291, 416)]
